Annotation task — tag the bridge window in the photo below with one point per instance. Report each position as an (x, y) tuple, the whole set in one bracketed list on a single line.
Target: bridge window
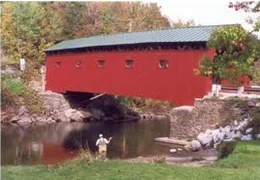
[(78, 64), (129, 63), (163, 64), (58, 64), (101, 63)]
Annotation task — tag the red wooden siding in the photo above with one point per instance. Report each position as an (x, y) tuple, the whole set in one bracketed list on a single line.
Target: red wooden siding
[(177, 83)]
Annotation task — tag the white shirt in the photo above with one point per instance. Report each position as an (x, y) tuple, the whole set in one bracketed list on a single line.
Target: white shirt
[(100, 140)]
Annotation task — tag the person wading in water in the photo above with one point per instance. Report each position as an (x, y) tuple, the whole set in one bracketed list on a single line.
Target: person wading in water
[(102, 146)]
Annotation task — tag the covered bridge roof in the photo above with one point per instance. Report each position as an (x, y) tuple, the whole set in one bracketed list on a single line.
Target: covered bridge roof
[(172, 35)]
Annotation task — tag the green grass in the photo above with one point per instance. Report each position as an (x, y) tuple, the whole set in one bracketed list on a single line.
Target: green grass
[(246, 155), (244, 163), (15, 93), (16, 87), (13, 84)]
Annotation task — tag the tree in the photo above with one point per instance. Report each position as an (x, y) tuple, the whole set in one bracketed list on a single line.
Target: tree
[(253, 9), (180, 23), (27, 30), (236, 52), (106, 19), (151, 17), (249, 7), (75, 19)]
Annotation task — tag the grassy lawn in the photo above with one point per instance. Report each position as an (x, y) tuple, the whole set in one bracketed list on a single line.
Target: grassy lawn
[(243, 163)]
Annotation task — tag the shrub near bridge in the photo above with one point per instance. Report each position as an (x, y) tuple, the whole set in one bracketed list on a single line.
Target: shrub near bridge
[(146, 104), (11, 88), (15, 93)]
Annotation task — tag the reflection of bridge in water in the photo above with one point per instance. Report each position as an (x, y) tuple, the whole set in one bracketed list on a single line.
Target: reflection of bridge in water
[(53, 143), (38, 144)]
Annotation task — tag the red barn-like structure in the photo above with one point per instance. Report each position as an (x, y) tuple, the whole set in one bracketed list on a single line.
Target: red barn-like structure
[(156, 64)]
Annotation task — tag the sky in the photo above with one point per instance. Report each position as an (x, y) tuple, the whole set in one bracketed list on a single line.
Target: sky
[(203, 12)]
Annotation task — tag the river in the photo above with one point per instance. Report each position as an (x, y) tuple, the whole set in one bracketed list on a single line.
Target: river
[(54, 143)]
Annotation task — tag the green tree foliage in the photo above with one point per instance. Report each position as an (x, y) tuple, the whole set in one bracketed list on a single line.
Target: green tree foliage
[(236, 52), (151, 17), (75, 15), (253, 10), (117, 17), (27, 30)]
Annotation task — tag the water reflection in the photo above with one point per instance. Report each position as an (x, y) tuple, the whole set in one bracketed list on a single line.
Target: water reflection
[(52, 143)]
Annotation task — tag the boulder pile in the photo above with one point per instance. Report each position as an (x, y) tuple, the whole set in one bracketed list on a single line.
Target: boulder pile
[(232, 132)]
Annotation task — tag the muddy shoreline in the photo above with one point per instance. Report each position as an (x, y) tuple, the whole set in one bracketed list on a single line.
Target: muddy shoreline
[(195, 159)]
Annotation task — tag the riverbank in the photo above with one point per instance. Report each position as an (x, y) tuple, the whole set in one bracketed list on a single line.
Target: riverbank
[(191, 159), (243, 163), (88, 107), (72, 107)]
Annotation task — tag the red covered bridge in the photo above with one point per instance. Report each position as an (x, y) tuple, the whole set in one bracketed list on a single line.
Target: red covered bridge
[(156, 64)]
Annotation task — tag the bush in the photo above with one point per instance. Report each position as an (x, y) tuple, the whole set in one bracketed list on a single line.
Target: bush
[(8, 98), (225, 149), (159, 160), (157, 106), (11, 88), (13, 83), (33, 101), (255, 123), (16, 93)]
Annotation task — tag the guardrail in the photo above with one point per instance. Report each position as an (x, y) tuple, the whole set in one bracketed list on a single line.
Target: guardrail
[(254, 89)]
